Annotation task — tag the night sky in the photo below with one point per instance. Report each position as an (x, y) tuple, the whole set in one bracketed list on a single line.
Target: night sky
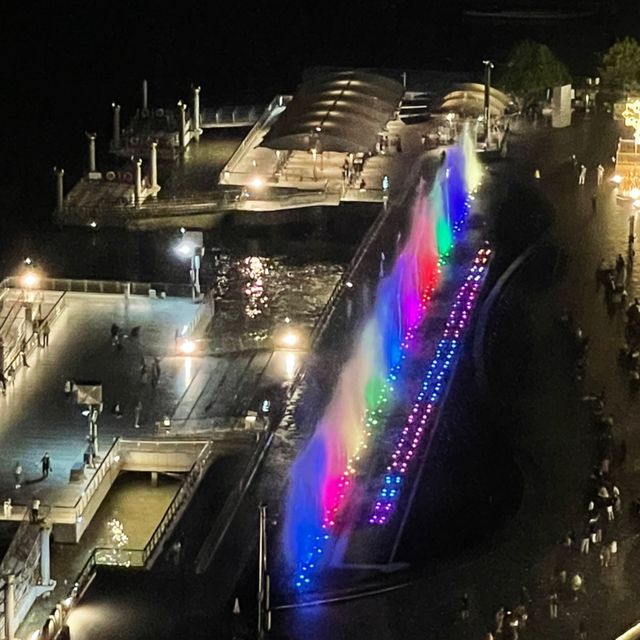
[(65, 62)]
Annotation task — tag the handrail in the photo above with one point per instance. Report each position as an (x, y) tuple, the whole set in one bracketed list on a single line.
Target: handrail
[(186, 489), (278, 101), (103, 286)]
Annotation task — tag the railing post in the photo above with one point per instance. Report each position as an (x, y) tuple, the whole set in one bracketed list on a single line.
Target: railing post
[(9, 606), (45, 553)]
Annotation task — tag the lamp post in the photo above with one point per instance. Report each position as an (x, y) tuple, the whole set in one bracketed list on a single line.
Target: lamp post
[(488, 65), (190, 246)]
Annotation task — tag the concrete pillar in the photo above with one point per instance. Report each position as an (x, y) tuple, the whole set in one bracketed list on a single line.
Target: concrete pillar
[(116, 125), (138, 183), (59, 189), (153, 161), (9, 606), (91, 137), (45, 553), (145, 95), (154, 478), (183, 124), (196, 112)]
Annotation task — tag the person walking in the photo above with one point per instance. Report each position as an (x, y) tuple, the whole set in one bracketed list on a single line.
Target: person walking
[(605, 556), (143, 370), (584, 542), (23, 352), (600, 170), (46, 464), (116, 410), (582, 177), (464, 608), (553, 605), (46, 330), (35, 509), (582, 629), (17, 475), (155, 371), (68, 387), (137, 413)]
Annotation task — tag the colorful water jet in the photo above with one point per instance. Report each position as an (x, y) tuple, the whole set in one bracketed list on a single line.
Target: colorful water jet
[(323, 476)]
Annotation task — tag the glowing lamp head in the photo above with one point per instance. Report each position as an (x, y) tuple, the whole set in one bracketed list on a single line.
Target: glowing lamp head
[(93, 224), (634, 194), (290, 339), (184, 249), (616, 179), (257, 182), (187, 347), (30, 280), (636, 204)]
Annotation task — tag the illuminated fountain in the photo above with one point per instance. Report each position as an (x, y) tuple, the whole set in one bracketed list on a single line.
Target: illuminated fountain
[(325, 474)]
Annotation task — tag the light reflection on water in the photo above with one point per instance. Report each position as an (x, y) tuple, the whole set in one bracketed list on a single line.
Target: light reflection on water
[(259, 295)]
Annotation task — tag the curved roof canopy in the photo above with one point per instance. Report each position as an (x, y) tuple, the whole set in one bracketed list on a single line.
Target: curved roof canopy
[(468, 100), (341, 111)]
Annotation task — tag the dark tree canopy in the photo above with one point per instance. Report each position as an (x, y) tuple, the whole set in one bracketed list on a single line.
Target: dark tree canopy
[(532, 68), (620, 70)]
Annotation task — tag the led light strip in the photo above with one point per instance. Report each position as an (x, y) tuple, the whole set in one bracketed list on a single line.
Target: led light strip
[(420, 418)]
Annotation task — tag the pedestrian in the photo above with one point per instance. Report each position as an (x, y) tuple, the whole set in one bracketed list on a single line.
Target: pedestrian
[(35, 509), (574, 160), (553, 605), (46, 330), (617, 499), (488, 635), (613, 549), (11, 375), (594, 203), (464, 608), (116, 410), (143, 369), (37, 326), (605, 556), (536, 174), (584, 542), (17, 475), (137, 413), (610, 514), (577, 585), (582, 629), (583, 175), (23, 352), (620, 264), (499, 620), (46, 464), (155, 371), (3, 382), (600, 170), (68, 387)]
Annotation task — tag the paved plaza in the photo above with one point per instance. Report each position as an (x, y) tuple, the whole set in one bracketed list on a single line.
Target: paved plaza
[(35, 414)]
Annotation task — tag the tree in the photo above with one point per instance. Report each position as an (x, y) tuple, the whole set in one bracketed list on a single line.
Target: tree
[(620, 70), (531, 70)]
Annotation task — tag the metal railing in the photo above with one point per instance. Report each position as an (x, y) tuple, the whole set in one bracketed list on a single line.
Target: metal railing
[(236, 115), (105, 286), (73, 513), (14, 359), (256, 131)]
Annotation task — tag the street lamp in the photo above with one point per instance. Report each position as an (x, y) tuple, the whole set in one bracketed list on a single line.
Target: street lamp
[(190, 246)]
